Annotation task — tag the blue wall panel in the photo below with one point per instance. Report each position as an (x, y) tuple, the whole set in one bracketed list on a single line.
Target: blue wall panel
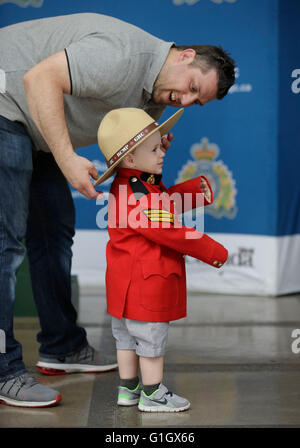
[(251, 128), (289, 119)]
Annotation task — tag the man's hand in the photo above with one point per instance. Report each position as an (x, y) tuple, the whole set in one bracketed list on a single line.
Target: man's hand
[(77, 170), (166, 141)]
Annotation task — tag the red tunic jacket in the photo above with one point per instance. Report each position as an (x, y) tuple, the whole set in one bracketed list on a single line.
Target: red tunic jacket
[(145, 277)]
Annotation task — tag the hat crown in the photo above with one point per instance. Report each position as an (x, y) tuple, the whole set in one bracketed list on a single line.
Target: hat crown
[(122, 130), (119, 127)]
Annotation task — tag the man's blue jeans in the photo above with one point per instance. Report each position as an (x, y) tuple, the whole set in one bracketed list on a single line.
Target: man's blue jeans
[(35, 205)]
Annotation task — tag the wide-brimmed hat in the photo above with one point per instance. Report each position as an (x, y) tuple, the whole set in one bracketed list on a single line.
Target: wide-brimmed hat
[(122, 130)]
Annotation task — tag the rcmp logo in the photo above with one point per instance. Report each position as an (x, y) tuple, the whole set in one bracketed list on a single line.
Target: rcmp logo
[(223, 186), (24, 3)]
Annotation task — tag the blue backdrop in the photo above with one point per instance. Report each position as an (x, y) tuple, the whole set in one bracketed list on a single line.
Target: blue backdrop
[(248, 143)]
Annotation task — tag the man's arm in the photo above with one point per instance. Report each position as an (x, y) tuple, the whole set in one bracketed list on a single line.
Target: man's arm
[(45, 85)]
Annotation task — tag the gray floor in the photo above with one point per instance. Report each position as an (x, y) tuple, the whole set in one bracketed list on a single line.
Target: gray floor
[(231, 357)]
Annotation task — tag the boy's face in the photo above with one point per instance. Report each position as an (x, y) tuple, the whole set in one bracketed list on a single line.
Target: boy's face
[(149, 156)]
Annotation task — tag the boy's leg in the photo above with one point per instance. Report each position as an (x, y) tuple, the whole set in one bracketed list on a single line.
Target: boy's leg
[(151, 339), (151, 366), (129, 389), (128, 363), (152, 370)]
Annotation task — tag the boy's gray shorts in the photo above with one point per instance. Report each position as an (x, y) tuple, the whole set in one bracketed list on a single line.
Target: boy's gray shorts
[(148, 339)]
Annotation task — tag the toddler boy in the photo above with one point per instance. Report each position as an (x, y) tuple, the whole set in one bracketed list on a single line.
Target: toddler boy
[(145, 277)]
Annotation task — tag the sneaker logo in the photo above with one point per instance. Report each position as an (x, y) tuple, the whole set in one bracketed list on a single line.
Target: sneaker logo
[(164, 401)]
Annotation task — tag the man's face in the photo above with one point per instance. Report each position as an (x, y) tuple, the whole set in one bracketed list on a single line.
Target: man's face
[(181, 84), (149, 155)]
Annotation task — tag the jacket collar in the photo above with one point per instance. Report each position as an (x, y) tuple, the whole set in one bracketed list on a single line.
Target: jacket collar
[(153, 179)]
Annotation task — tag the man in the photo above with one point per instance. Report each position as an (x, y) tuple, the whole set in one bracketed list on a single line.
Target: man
[(60, 76)]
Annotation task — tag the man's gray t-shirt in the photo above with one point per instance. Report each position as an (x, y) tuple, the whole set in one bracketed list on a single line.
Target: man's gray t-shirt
[(112, 64)]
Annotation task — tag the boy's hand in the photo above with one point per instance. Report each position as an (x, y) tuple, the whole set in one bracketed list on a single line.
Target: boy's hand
[(166, 141), (205, 189)]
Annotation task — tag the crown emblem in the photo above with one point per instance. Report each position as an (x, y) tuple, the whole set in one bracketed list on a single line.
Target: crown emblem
[(204, 150), (204, 162)]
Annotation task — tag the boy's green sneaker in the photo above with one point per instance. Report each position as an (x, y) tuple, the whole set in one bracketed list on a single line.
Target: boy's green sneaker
[(129, 397), (161, 400)]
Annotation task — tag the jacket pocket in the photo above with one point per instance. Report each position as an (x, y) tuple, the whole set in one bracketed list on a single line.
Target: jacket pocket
[(159, 290)]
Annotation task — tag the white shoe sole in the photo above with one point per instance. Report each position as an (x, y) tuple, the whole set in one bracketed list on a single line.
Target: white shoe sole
[(124, 402), (75, 368), (144, 408), (29, 404)]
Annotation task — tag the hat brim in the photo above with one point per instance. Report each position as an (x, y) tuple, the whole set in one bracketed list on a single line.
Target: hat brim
[(163, 129)]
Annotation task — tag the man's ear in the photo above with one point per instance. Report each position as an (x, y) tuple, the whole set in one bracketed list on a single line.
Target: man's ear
[(186, 56)]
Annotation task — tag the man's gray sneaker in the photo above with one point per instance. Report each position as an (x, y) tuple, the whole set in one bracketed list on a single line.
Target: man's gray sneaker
[(129, 397), (26, 391), (86, 360), (161, 400)]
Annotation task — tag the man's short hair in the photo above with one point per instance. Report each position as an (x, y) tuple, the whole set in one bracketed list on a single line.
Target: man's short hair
[(211, 57)]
